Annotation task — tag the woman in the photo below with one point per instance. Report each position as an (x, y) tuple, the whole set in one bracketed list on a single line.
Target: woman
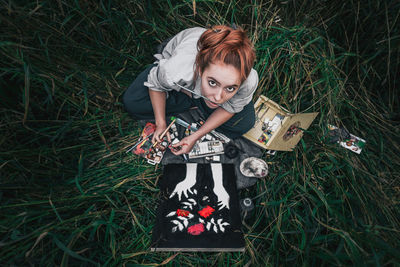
[(216, 63)]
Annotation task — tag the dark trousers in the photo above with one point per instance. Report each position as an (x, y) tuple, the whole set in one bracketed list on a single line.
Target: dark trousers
[(138, 104)]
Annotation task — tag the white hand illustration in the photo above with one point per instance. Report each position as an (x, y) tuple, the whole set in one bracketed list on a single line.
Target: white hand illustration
[(223, 197), (187, 183), (219, 190)]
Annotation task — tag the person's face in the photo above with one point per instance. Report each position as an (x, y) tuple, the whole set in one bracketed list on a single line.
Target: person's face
[(219, 83)]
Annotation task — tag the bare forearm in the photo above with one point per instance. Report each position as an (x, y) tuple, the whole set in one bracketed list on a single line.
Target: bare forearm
[(158, 100), (216, 119)]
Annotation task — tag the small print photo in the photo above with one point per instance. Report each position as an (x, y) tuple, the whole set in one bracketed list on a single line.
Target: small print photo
[(349, 141), (354, 143)]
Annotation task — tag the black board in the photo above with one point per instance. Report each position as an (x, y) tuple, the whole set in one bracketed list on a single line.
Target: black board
[(198, 221)]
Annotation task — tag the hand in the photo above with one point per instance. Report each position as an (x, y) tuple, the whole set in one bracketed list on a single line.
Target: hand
[(223, 197), (184, 146), (187, 183), (160, 128), (183, 187), (219, 190)]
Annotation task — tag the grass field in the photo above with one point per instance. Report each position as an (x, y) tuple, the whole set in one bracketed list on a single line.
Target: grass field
[(71, 196)]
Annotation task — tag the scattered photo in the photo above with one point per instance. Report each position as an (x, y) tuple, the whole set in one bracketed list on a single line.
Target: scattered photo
[(348, 141)]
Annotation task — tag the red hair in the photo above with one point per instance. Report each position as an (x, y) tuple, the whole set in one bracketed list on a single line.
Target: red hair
[(223, 43)]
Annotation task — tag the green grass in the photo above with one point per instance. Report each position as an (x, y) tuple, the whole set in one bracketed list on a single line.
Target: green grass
[(71, 196)]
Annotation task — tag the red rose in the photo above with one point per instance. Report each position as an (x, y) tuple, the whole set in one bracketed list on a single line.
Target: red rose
[(207, 211), (196, 229), (183, 213)]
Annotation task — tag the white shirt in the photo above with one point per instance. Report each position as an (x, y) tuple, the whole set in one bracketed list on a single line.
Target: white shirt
[(176, 64)]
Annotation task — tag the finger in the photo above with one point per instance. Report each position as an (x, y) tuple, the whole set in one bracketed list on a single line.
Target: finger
[(190, 191), (185, 193), (177, 144), (176, 149), (173, 194), (179, 195), (158, 137), (173, 150), (168, 137), (177, 152), (180, 148)]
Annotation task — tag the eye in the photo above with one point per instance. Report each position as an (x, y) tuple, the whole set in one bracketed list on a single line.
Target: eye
[(230, 89), (212, 83)]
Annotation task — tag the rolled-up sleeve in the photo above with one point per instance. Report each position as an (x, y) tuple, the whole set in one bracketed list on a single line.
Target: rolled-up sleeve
[(176, 63)]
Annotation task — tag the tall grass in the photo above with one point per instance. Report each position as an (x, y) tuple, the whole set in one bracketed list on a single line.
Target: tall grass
[(71, 196)]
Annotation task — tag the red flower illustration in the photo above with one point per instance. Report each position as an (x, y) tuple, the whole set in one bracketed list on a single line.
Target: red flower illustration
[(183, 213), (207, 211), (196, 229)]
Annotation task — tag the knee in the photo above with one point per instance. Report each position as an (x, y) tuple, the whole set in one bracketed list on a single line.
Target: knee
[(238, 127), (129, 102), (247, 119), (247, 124), (132, 104)]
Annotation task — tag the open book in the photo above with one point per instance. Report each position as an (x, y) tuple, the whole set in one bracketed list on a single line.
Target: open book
[(275, 127)]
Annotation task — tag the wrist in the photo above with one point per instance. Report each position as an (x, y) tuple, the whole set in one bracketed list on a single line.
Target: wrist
[(198, 134), (218, 184), (161, 123), (218, 188)]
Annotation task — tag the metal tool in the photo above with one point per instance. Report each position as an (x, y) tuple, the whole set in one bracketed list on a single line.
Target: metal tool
[(190, 91)]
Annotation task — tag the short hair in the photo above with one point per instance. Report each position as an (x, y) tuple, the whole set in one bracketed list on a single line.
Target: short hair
[(223, 43)]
